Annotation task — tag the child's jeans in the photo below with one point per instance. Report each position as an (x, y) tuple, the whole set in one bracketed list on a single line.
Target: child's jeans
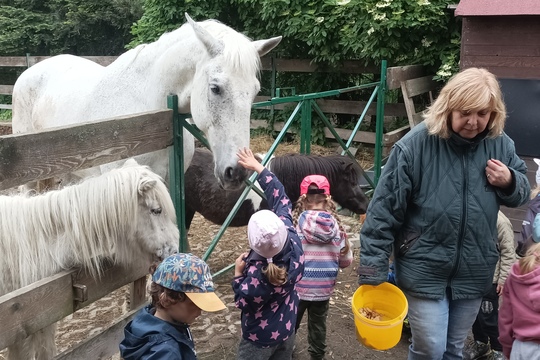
[(247, 350), (316, 324)]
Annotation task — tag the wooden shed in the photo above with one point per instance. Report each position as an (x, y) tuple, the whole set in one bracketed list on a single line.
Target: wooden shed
[(503, 36)]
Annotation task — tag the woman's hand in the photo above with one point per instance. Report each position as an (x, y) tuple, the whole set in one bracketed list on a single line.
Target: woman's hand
[(498, 174), (247, 160), (240, 264)]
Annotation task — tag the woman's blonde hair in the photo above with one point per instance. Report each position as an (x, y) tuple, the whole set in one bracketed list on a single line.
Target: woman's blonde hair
[(473, 89), (531, 260)]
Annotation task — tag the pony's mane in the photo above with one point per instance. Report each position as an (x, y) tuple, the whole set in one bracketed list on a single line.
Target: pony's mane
[(330, 166), (74, 226)]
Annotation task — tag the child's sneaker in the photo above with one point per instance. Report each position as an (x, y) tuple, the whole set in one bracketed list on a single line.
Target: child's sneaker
[(476, 350), (497, 355)]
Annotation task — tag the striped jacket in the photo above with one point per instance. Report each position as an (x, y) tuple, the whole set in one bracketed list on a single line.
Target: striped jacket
[(322, 241)]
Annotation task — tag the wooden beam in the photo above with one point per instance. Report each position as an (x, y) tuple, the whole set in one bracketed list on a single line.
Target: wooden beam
[(33, 307), (22, 312), (36, 156), (103, 345), (6, 89), (365, 137), (113, 277), (395, 75)]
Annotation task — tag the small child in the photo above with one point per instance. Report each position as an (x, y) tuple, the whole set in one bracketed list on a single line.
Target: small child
[(519, 316), (326, 249), (485, 328), (181, 287), (265, 278)]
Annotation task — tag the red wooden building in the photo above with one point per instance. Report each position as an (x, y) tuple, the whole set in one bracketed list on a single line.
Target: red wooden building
[(503, 36)]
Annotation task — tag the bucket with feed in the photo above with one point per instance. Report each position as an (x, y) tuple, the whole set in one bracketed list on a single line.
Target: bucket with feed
[(379, 312)]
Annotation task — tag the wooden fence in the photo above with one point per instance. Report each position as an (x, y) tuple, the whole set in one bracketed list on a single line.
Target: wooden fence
[(56, 151), (53, 152), (396, 79)]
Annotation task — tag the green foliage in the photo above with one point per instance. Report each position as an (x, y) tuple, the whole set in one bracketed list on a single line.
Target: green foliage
[(80, 27), (161, 16)]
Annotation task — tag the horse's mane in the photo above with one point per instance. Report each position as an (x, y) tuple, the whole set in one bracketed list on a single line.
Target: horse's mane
[(74, 226), (237, 50)]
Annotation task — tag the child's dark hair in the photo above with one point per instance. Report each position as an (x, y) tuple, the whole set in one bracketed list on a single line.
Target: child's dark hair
[(161, 296), (277, 275)]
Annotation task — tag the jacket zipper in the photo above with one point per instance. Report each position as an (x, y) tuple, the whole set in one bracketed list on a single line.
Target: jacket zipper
[(463, 217)]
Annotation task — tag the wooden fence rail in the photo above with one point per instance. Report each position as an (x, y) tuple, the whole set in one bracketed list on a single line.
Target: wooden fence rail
[(53, 152)]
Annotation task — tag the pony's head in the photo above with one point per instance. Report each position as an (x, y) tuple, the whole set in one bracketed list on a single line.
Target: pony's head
[(224, 87), (156, 228)]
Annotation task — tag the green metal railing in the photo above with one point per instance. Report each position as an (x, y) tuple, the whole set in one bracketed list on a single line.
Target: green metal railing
[(306, 103)]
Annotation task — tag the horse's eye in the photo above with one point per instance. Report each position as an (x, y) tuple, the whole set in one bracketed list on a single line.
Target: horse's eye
[(156, 211), (215, 89)]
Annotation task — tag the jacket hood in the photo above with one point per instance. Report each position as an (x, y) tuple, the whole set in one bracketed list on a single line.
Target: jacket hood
[(145, 331), (317, 227)]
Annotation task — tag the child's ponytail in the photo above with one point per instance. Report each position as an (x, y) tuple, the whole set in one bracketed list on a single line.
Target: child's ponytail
[(277, 275)]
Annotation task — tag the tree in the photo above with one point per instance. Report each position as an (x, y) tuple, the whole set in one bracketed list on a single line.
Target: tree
[(329, 31)]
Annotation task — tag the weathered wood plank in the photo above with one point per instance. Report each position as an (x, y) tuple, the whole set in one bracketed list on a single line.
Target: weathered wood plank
[(421, 85), (306, 65), (502, 50), (361, 136), (137, 292), (27, 157), (350, 107), (22, 312), (6, 106), (395, 75), (6, 89), (13, 61), (103, 345), (113, 277)]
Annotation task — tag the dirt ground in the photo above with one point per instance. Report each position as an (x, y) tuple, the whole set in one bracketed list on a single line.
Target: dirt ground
[(216, 335)]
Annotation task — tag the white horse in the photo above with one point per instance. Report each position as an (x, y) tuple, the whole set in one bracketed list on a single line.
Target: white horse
[(125, 215), (212, 68)]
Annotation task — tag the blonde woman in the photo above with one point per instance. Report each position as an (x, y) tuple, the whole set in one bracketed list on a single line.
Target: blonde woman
[(436, 206)]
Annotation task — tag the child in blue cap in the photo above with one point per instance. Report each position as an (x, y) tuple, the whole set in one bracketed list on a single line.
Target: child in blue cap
[(181, 287)]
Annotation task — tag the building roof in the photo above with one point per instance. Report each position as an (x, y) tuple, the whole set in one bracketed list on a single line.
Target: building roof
[(497, 7)]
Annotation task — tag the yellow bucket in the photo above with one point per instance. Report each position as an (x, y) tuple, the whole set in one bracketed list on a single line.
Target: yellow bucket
[(390, 302)]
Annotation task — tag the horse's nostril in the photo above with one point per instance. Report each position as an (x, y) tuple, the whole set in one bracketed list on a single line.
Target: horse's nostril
[(229, 173)]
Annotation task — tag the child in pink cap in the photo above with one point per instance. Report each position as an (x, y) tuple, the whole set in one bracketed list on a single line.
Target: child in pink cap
[(326, 250), (265, 277)]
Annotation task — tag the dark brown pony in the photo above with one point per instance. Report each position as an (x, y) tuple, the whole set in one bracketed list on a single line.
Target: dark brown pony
[(205, 196)]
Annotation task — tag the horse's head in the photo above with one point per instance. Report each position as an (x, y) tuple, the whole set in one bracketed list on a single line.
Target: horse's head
[(224, 87), (157, 230), (346, 189)]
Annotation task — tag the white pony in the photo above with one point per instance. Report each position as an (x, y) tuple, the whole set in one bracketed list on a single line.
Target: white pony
[(212, 68), (125, 215)]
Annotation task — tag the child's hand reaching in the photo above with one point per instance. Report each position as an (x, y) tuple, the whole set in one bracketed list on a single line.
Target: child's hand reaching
[(247, 160), (240, 264)]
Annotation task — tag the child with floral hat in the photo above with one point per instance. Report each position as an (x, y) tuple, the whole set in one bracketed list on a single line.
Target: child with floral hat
[(181, 287), (264, 279)]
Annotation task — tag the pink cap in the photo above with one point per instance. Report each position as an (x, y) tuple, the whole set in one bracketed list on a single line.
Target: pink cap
[(267, 234), (318, 180)]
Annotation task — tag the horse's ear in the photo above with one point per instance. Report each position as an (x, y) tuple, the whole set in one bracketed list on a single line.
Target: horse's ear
[(265, 46), (130, 162), (213, 46), (146, 184)]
